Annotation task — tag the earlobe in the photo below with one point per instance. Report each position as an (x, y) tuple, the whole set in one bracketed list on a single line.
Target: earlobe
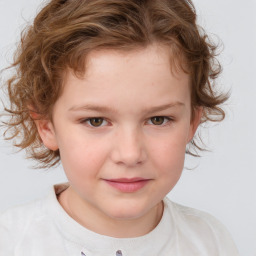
[(195, 122), (46, 131)]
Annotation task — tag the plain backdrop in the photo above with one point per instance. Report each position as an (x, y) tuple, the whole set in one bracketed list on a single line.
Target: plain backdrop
[(223, 180)]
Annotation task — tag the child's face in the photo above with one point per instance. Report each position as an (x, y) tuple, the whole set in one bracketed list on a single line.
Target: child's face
[(122, 131)]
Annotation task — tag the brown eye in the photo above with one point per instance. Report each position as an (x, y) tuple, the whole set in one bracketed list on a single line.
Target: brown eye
[(96, 122), (158, 120)]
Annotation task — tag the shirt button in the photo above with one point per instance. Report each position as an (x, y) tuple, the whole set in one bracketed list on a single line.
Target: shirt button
[(119, 253)]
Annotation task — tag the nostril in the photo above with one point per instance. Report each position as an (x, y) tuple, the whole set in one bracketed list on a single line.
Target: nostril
[(82, 254), (119, 253)]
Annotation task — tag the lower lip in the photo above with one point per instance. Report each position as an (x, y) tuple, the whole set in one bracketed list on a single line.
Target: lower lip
[(128, 187)]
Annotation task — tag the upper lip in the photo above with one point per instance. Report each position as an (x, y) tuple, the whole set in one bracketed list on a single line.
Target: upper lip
[(127, 180)]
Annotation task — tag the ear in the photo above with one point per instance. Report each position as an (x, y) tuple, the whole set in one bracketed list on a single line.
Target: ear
[(195, 121), (47, 133)]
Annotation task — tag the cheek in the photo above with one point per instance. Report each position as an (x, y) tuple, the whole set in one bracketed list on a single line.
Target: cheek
[(169, 153), (171, 158), (82, 158)]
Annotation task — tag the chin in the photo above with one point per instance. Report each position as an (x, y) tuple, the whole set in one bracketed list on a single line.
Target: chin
[(128, 211)]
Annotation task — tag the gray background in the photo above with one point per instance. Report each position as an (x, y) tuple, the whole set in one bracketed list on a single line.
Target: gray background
[(223, 182)]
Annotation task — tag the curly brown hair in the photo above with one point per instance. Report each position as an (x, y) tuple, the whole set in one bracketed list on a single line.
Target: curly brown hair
[(64, 32)]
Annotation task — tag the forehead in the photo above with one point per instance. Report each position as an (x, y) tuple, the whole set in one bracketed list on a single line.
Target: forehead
[(143, 75), (155, 55)]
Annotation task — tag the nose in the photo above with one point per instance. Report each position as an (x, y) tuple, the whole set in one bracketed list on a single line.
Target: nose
[(128, 147)]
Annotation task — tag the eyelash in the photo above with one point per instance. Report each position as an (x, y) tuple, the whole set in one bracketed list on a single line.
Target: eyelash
[(89, 120), (167, 120)]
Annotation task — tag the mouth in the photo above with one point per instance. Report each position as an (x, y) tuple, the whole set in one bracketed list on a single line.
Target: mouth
[(127, 185)]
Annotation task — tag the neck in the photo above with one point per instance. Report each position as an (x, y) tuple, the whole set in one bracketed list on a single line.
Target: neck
[(91, 218)]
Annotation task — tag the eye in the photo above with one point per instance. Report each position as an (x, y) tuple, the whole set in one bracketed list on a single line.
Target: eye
[(95, 121), (159, 120)]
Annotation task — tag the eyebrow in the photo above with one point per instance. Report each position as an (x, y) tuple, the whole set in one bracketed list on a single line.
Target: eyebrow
[(106, 109)]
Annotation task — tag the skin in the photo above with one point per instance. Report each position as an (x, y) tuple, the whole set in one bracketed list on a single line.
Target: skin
[(127, 90)]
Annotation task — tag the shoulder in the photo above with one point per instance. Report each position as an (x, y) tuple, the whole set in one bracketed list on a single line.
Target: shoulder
[(190, 215), (18, 210), (13, 224), (28, 227), (202, 228), (19, 216)]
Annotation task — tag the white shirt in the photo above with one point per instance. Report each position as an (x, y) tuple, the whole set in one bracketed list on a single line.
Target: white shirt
[(43, 228)]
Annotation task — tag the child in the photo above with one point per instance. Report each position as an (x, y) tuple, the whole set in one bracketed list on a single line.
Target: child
[(115, 90)]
